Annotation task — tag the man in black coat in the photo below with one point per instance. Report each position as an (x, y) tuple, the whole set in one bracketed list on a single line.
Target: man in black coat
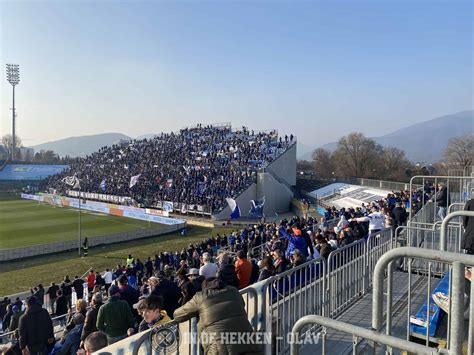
[(169, 291), (78, 285), (128, 293), (468, 223), (52, 293), (442, 200), (399, 215), (35, 328)]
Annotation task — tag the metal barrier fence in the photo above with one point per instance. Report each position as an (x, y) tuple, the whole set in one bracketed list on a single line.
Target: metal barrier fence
[(292, 295), (459, 189), (58, 325), (357, 334), (346, 276), (456, 263), (275, 304), (379, 342), (377, 245)]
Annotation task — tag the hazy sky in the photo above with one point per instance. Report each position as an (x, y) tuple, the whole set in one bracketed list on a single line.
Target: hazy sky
[(318, 69)]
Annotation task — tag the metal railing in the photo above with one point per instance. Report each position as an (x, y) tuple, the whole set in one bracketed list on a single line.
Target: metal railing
[(375, 338), (346, 276), (459, 190), (58, 326), (357, 334), (456, 262)]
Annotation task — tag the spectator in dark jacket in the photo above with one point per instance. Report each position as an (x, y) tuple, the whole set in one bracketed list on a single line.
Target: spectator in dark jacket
[(78, 285), (308, 241), (324, 248), (187, 288), (15, 319), (53, 296), (255, 270), (399, 215), (280, 262), (7, 317), (61, 304), (226, 271), (267, 269), (38, 292), (127, 293), (66, 288), (35, 328), (196, 279), (468, 223), (91, 316), (169, 291), (442, 200)]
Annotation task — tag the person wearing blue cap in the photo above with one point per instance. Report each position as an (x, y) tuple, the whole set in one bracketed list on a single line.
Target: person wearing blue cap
[(17, 313), (115, 317)]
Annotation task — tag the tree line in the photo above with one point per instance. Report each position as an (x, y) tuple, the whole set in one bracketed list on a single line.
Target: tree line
[(362, 157), (41, 157)]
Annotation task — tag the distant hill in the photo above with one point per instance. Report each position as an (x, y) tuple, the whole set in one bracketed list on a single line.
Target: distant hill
[(424, 141), (83, 145)]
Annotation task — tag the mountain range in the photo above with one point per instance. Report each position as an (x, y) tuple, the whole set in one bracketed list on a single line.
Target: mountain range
[(422, 142)]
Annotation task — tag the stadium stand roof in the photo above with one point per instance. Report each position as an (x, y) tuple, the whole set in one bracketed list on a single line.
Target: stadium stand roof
[(346, 195), (29, 172), (328, 190)]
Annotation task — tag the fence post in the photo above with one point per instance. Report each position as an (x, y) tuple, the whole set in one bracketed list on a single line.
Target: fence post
[(457, 309)]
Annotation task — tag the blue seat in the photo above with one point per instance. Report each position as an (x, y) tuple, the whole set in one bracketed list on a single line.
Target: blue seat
[(436, 313)]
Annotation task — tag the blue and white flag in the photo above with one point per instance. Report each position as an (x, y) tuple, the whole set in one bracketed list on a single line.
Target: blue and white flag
[(72, 181), (257, 207), (168, 206), (234, 208), (103, 185), (134, 180)]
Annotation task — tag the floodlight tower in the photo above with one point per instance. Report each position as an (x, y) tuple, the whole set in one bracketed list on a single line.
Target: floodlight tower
[(13, 77)]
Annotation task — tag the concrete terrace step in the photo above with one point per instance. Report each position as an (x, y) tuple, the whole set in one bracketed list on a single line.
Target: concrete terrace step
[(360, 314)]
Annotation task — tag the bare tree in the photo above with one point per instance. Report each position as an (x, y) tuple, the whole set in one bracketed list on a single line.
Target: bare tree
[(460, 152), (7, 141), (394, 163), (323, 163), (358, 156)]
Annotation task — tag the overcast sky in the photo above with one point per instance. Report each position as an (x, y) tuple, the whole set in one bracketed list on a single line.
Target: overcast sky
[(318, 69)]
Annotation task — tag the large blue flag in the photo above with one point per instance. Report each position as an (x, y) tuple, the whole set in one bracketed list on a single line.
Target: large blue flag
[(234, 208)]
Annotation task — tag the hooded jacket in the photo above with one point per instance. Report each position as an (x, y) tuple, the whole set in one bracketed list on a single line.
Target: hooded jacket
[(220, 309), (35, 328)]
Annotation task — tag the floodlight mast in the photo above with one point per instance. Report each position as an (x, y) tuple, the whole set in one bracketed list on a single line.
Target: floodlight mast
[(13, 77)]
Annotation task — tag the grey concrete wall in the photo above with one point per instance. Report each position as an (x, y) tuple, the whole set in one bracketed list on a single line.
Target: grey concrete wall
[(243, 200), (277, 196), (35, 250), (285, 166)]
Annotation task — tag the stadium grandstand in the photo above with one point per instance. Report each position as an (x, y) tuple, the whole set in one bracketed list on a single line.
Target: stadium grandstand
[(307, 286), (195, 169)]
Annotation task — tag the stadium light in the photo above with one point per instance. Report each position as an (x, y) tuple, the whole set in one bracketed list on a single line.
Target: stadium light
[(13, 77)]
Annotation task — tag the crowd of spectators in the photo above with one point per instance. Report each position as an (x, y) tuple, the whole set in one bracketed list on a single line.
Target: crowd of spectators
[(199, 166), (143, 294)]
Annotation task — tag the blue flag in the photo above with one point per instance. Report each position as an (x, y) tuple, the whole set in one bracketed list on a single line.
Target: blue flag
[(257, 207), (234, 208)]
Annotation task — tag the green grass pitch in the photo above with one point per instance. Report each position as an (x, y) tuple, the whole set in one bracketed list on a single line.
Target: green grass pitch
[(26, 223)]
